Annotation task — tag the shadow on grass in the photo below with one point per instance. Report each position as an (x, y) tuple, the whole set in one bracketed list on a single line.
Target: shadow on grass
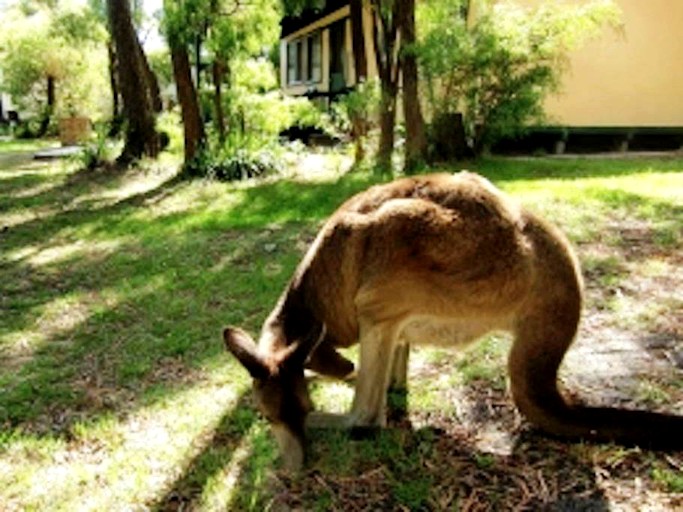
[(640, 207), (225, 460), (174, 283), (431, 469), (398, 468), (90, 334), (158, 311)]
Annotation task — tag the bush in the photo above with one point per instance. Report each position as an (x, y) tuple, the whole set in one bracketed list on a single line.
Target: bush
[(239, 159), (499, 70), (97, 151), (355, 114), (170, 123), (255, 104), (28, 129)]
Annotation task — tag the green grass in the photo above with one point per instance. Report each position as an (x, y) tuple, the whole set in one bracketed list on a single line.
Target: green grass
[(21, 145), (671, 479), (116, 393)]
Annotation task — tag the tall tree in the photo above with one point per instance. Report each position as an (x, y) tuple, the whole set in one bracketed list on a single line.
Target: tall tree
[(113, 81), (50, 60), (416, 140), (358, 41), (359, 123), (180, 20), (150, 79), (193, 126), (219, 70), (225, 31), (386, 38), (141, 137)]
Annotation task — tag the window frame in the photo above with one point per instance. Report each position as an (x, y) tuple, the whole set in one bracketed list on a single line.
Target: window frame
[(305, 59)]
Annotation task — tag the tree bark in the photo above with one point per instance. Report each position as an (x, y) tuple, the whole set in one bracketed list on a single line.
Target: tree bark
[(387, 123), (360, 61), (218, 75), (113, 80), (359, 121), (386, 37), (49, 106), (151, 80), (416, 140), (141, 137), (193, 127)]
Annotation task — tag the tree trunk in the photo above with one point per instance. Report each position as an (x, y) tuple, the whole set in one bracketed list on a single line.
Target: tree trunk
[(449, 142), (386, 38), (387, 123), (198, 61), (416, 140), (49, 106), (189, 105), (359, 122), (113, 80), (141, 137), (358, 39), (151, 80), (218, 75), (116, 114)]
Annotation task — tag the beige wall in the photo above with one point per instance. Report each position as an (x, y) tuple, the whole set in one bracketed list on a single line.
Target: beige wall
[(633, 79)]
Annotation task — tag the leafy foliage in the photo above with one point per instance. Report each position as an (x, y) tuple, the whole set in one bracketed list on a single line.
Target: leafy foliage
[(97, 151), (499, 68), (363, 102), (61, 44), (296, 7), (239, 159), (257, 106), (258, 113)]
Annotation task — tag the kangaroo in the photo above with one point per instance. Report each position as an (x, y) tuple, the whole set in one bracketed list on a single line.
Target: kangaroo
[(441, 259)]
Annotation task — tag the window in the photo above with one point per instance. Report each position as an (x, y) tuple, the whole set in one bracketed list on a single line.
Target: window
[(304, 59)]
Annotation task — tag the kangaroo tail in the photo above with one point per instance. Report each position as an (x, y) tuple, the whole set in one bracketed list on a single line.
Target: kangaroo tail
[(533, 377)]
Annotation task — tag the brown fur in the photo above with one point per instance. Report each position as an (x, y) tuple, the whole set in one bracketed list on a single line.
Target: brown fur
[(434, 259)]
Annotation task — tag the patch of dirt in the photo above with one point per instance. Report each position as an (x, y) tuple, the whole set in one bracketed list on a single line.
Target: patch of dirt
[(632, 327)]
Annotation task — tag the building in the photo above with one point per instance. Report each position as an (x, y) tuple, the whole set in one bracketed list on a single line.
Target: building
[(316, 56), (622, 91)]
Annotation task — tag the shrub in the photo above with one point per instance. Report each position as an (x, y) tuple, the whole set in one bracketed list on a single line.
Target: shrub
[(98, 150), (255, 104), (239, 159), (498, 70), (30, 129), (169, 122), (355, 113)]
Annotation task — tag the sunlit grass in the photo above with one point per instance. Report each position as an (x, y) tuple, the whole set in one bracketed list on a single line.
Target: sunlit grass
[(24, 145), (116, 393), (119, 459)]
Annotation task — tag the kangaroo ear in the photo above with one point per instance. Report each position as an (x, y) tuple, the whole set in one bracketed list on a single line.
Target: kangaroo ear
[(242, 346), (298, 353)]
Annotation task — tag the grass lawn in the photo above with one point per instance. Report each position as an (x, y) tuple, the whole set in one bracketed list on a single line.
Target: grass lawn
[(116, 393), (23, 145)]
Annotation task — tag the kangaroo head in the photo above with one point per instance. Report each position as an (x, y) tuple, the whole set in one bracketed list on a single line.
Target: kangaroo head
[(280, 390)]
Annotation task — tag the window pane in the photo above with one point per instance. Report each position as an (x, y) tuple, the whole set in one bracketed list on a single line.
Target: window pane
[(299, 61), (291, 62), (316, 57)]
